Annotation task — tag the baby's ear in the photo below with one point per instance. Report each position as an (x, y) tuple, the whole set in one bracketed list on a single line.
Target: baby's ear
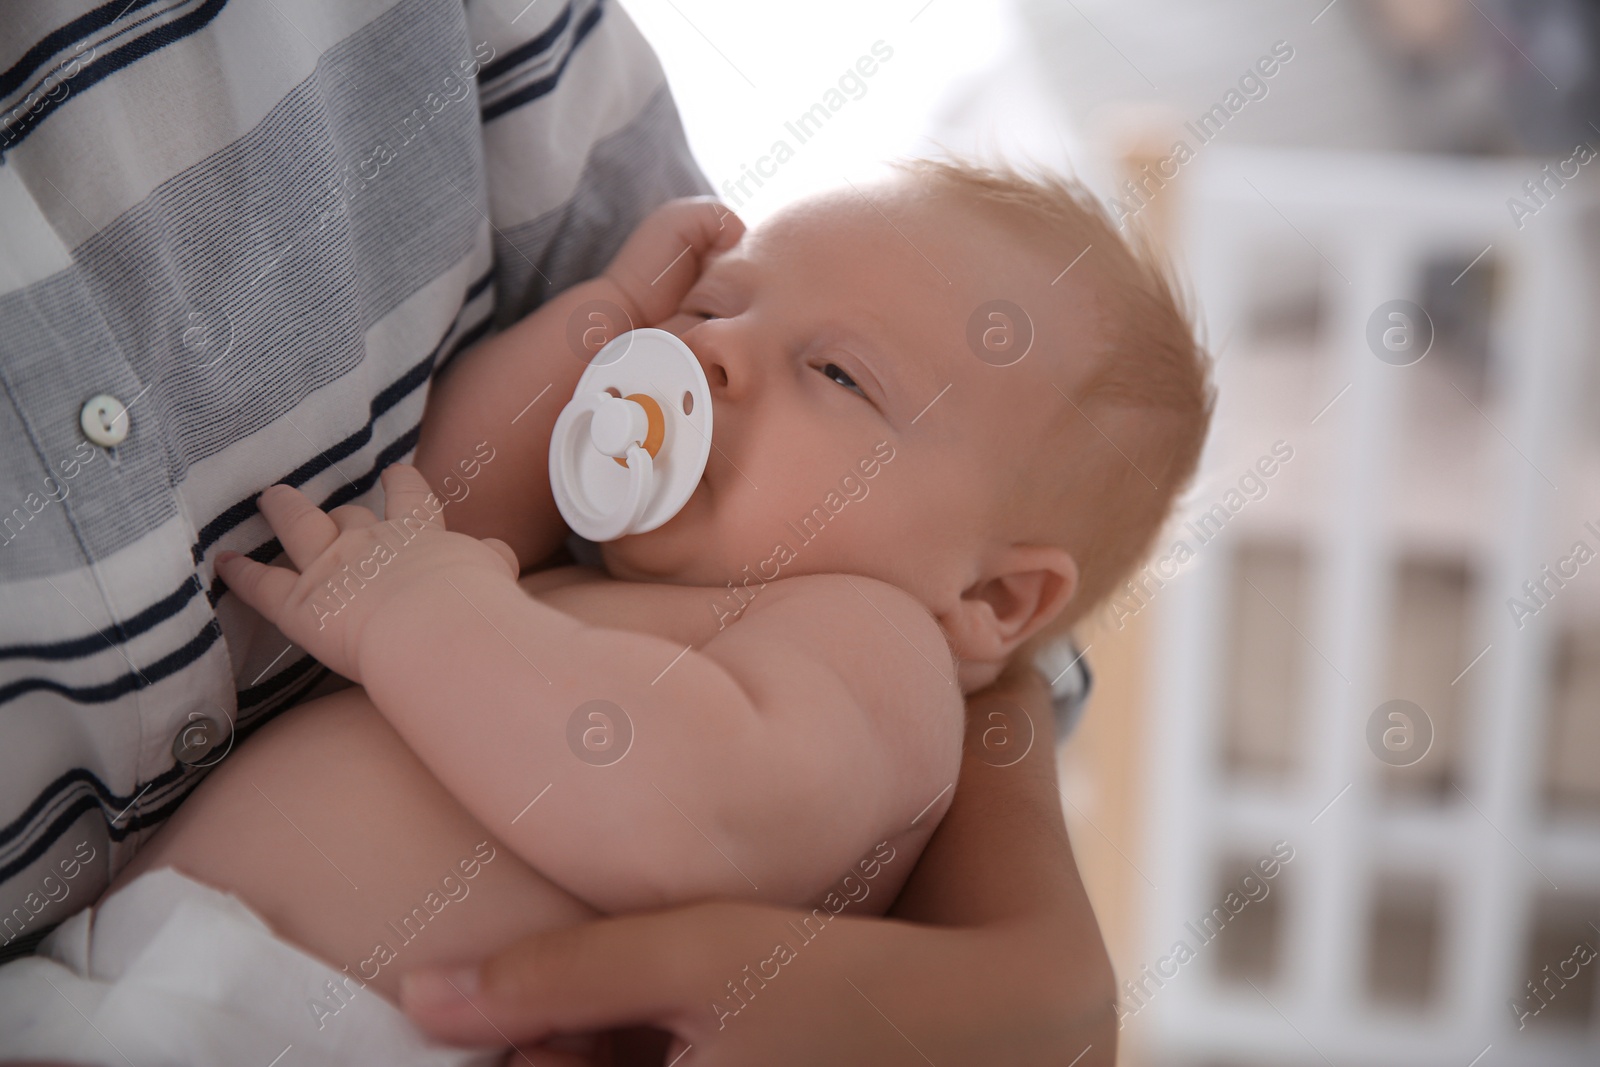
[(1023, 589)]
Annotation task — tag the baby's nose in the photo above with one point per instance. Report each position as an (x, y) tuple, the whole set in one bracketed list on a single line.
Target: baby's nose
[(716, 374), (721, 357)]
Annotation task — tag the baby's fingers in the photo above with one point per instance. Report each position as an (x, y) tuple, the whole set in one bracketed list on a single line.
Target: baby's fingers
[(304, 530), (661, 260), (264, 588), (407, 495), (704, 222), (352, 517)]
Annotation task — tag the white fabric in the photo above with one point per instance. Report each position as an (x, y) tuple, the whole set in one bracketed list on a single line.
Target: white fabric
[(169, 971)]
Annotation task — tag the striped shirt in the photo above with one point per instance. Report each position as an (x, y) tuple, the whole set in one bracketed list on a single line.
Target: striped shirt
[(237, 240)]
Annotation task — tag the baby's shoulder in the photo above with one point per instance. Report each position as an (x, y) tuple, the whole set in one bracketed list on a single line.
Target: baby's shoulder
[(855, 595), (877, 635)]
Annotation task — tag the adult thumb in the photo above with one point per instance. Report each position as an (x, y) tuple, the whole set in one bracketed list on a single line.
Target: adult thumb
[(652, 969)]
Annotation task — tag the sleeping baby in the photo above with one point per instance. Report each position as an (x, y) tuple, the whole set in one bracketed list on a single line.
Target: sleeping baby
[(1004, 390)]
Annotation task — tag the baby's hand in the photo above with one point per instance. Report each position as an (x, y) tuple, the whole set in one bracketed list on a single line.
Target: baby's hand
[(664, 256), (351, 566)]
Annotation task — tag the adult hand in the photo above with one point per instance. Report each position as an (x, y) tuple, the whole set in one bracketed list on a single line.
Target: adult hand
[(991, 954)]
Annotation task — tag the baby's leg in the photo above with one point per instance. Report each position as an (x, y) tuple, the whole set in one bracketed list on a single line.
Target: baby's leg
[(330, 828)]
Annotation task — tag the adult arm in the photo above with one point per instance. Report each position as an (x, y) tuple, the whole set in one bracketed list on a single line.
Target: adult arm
[(990, 955)]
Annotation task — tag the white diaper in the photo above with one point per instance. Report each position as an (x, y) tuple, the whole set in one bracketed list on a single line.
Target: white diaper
[(167, 971)]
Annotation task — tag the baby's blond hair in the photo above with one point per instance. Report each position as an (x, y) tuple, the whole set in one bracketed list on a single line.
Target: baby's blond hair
[(1148, 365)]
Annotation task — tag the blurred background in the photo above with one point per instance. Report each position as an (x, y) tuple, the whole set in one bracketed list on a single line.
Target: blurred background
[(1337, 794)]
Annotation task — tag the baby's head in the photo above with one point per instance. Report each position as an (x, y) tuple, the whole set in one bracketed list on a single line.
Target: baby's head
[(961, 381)]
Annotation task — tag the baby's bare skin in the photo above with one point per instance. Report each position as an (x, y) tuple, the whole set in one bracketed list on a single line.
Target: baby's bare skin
[(329, 826), (775, 748)]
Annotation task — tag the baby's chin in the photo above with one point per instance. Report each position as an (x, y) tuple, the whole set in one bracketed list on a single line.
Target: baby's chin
[(662, 555), (678, 551)]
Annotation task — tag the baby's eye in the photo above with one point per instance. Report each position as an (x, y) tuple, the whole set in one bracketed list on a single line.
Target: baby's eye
[(833, 371)]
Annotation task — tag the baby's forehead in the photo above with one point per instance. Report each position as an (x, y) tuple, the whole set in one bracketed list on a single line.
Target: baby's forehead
[(878, 209), (923, 256), (910, 229)]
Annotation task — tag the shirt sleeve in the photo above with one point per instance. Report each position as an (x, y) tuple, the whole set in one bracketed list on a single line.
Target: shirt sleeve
[(569, 177)]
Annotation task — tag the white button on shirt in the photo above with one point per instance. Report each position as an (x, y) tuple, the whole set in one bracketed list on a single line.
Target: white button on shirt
[(197, 743), (105, 420)]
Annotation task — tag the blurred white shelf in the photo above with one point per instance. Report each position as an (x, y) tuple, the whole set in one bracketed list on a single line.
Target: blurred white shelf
[(1390, 463)]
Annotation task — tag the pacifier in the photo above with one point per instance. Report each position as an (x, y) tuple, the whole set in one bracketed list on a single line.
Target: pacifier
[(631, 445)]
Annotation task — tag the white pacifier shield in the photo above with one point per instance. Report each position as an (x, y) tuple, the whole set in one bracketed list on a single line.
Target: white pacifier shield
[(600, 498)]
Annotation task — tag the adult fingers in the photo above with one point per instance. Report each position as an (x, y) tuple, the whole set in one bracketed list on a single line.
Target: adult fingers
[(646, 968), (304, 530), (408, 497), (707, 975)]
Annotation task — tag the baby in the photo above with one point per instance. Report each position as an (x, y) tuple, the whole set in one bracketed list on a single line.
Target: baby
[(761, 699)]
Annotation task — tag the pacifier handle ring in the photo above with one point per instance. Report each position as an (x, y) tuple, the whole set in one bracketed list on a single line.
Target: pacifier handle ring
[(590, 522)]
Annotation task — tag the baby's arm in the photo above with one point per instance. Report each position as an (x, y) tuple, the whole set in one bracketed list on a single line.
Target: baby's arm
[(762, 765), (505, 393)]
